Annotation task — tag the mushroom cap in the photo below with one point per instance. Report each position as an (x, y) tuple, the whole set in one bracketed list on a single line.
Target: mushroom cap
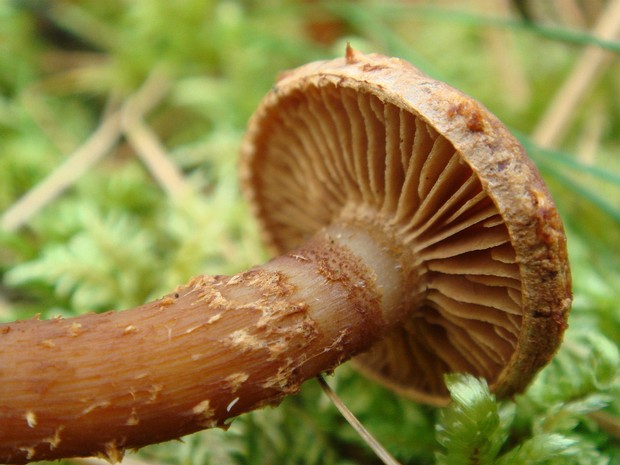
[(373, 135)]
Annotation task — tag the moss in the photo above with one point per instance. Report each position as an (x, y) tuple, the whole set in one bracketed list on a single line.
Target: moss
[(115, 239)]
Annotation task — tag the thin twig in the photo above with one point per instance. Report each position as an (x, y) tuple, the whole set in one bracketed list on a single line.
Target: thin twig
[(569, 13), (377, 448), (607, 422), (82, 159), (147, 145), (152, 152), (588, 68), (97, 145), (591, 138)]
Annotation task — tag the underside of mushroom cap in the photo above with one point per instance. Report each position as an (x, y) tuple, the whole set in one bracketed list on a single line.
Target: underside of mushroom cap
[(370, 135)]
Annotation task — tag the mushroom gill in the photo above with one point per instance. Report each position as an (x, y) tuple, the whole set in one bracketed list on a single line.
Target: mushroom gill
[(337, 152)]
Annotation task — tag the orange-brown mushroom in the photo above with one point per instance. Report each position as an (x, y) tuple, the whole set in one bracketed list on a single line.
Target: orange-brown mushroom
[(414, 234)]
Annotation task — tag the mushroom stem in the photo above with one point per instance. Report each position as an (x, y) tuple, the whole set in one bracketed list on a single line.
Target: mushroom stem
[(217, 347)]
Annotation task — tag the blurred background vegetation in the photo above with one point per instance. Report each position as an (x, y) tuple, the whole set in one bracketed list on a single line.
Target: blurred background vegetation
[(119, 128)]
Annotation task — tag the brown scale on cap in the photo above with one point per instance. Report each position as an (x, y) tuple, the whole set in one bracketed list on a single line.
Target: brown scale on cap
[(414, 234)]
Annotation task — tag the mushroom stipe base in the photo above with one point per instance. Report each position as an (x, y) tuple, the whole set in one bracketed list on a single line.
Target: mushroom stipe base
[(414, 236), (211, 350)]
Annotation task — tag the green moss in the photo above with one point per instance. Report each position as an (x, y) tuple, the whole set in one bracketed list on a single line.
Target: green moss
[(115, 238)]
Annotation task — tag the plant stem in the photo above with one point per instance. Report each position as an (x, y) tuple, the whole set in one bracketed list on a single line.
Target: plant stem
[(587, 70), (368, 438), (86, 155), (213, 349)]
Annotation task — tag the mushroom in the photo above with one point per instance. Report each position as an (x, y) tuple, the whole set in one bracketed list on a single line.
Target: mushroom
[(414, 235)]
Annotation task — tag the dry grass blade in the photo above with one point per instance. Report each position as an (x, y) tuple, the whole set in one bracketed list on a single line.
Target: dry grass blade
[(588, 68), (89, 153), (607, 422), (84, 157), (146, 143), (376, 447), (151, 151)]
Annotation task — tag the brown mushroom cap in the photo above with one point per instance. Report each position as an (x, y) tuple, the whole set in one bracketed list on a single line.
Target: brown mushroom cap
[(372, 138)]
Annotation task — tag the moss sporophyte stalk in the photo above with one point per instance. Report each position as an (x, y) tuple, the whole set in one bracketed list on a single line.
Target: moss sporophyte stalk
[(414, 236)]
